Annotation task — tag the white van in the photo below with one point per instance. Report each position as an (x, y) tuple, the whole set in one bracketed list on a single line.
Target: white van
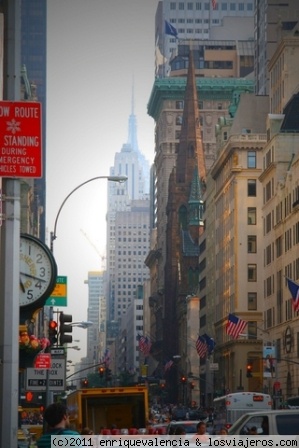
[(284, 423)]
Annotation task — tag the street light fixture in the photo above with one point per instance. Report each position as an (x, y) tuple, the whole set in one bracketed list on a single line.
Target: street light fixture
[(119, 179), (83, 324)]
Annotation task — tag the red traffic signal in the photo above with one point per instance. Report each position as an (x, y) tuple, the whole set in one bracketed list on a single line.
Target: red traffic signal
[(183, 379), (53, 332), (29, 396), (85, 382), (249, 370), (101, 371)]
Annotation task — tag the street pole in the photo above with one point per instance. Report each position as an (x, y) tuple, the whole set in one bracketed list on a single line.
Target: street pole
[(10, 247)]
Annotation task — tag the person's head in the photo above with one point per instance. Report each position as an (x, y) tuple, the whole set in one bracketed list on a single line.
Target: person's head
[(201, 428), (223, 432), (252, 430), (179, 430), (56, 415), (87, 431)]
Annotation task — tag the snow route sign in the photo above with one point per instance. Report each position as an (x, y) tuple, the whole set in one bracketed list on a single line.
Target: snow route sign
[(20, 139)]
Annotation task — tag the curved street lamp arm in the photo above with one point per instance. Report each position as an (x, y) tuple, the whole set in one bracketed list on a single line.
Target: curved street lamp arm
[(120, 179)]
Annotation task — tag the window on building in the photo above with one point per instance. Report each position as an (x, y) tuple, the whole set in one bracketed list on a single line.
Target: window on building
[(172, 6), (252, 330), (252, 272), (179, 104), (190, 6), (198, 6), (241, 7), (251, 216), (251, 187), (202, 321), (181, 6), (251, 159), (252, 301), (232, 6), (224, 6), (251, 244)]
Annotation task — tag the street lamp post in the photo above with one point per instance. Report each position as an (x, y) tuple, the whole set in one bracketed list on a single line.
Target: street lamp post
[(119, 179)]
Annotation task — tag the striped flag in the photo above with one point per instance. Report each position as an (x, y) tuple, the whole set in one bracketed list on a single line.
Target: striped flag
[(107, 357), (294, 290), (144, 344), (201, 347), (214, 4), (235, 326)]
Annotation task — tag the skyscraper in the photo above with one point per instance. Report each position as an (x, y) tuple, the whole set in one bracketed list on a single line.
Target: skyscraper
[(126, 203), (34, 61)]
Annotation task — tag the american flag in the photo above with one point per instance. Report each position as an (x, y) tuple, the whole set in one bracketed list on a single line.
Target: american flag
[(294, 290), (214, 4), (201, 347), (235, 326), (106, 357), (144, 344), (168, 365)]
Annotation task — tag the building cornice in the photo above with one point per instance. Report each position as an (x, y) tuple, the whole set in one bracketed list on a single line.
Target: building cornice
[(174, 89)]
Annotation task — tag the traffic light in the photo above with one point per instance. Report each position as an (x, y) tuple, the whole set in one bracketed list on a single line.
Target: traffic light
[(192, 385), (64, 328), (29, 396), (53, 332), (85, 382), (183, 379), (249, 370), (101, 371), (108, 375)]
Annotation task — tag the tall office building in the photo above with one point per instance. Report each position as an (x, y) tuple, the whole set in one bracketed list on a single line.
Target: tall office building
[(198, 20), (34, 63), (273, 19), (127, 201), (96, 308)]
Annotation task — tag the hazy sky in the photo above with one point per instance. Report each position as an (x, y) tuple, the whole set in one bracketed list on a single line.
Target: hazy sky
[(95, 50)]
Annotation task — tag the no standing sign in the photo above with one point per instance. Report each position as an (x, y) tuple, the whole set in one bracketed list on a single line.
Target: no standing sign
[(20, 139)]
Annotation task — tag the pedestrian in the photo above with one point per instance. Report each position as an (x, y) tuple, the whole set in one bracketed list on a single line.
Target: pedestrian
[(180, 430), (57, 417), (223, 431), (201, 434), (201, 428)]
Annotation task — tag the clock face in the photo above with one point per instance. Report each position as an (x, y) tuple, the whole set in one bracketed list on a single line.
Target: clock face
[(38, 271)]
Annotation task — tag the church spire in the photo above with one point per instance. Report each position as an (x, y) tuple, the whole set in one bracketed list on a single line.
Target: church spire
[(190, 151)]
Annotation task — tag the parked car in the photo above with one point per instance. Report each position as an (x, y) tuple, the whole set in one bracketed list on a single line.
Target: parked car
[(284, 422)]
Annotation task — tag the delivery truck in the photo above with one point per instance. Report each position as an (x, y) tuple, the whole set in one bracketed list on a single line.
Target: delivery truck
[(107, 407)]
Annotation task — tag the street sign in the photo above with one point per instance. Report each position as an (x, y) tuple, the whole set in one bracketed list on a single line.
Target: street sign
[(36, 379), (214, 366), (43, 361), (59, 294), (20, 139)]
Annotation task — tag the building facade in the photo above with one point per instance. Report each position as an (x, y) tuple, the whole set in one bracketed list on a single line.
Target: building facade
[(196, 20), (96, 308)]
